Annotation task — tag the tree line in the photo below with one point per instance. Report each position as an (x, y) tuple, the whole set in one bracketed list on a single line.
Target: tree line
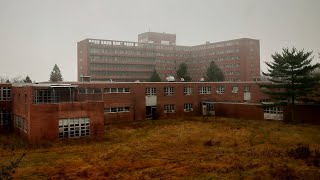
[(213, 74), (55, 76)]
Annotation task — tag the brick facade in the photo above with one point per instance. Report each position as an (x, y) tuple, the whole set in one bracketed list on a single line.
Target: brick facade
[(39, 117), (105, 60)]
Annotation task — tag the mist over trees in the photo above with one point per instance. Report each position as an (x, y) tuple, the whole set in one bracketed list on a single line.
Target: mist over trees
[(4, 79), (55, 75), (182, 72), (16, 79), (291, 75), (214, 73), (155, 77)]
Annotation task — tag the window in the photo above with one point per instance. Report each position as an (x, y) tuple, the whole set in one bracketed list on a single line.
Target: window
[(116, 90), (21, 123), (168, 91), (187, 90), (5, 94), (169, 108), (235, 89), (266, 101), (81, 91), (246, 88), (220, 90), (74, 127), (187, 107), (273, 110), (5, 117), (205, 90), (44, 96), (117, 110), (89, 91), (151, 91)]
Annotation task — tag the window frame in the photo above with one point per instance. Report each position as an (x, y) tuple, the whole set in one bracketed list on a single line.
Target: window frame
[(205, 90), (168, 91), (168, 108), (187, 90), (220, 89), (151, 91), (187, 107)]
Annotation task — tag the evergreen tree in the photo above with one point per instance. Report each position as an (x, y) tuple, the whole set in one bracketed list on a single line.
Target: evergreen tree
[(182, 72), (290, 74), (27, 80), (55, 75), (155, 77), (214, 73)]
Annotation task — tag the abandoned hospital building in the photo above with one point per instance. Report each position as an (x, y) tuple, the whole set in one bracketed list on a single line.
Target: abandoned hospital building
[(49, 111)]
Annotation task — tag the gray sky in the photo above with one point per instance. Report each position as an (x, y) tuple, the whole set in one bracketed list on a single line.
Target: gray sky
[(36, 34)]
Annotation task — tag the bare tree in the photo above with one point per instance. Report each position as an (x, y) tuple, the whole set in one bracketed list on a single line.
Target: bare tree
[(17, 79), (4, 79)]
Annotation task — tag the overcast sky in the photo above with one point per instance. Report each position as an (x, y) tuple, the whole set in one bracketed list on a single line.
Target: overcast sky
[(36, 34)]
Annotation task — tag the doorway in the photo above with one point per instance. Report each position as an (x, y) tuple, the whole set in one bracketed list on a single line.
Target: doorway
[(151, 112), (208, 108)]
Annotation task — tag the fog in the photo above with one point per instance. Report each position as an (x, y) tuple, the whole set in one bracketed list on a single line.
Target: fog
[(36, 34)]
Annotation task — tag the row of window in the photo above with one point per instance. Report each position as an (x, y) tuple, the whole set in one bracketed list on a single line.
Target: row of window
[(117, 109), (74, 127), (161, 54), (164, 47), (5, 117), (5, 93), (273, 110), (232, 73), (119, 73), (169, 108), (89, 91), (122, 66), (168, 91), (44, 96), (222, 66), (105, 90), (121, 59)]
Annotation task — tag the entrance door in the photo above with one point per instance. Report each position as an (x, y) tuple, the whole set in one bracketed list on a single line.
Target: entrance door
[(208, 109), (204, 109), (151, 112)]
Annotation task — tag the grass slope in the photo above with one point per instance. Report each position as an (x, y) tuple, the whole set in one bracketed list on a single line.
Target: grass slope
[(198, 147)]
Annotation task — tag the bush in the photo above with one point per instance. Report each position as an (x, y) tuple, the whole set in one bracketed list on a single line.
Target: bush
[(300, 152), (282, 172), (211, 143)]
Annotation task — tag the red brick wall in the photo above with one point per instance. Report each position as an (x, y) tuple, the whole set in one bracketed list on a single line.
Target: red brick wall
[(239, 111), (307, 113), (45, 118), (6, 105), (136, 98)]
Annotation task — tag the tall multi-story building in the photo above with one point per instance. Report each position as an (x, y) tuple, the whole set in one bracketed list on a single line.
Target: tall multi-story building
[(102, 60)]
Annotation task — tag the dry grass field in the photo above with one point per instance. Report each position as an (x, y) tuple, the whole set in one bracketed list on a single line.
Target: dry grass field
[(201, 148)]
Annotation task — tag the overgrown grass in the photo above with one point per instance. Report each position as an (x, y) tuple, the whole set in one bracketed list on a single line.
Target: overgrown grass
[(194, 147)]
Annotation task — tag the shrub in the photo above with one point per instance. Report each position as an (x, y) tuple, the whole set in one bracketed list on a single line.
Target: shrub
[(211, 143), (6, 172), (282, 172), (300, 152)]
